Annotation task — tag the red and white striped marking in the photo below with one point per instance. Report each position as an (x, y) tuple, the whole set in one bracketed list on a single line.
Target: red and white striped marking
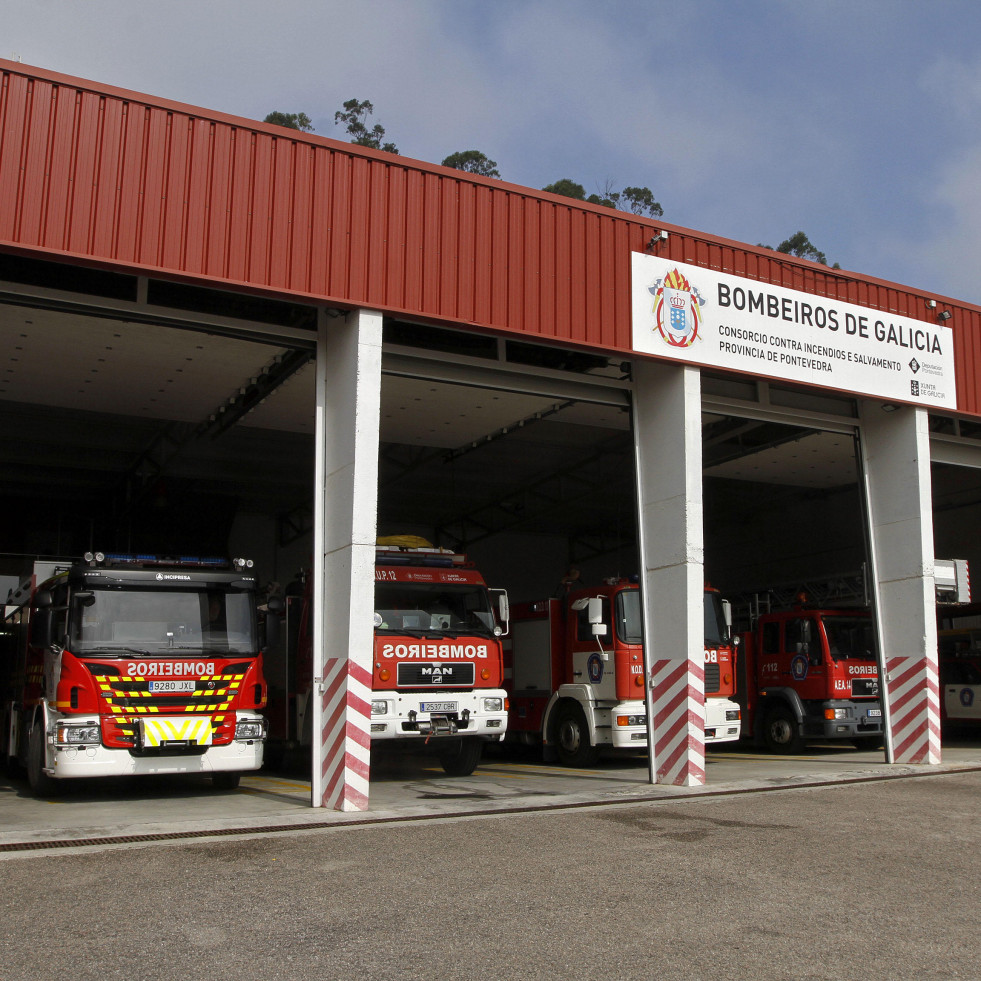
[(345, 739), (914, 709), (678, 690)]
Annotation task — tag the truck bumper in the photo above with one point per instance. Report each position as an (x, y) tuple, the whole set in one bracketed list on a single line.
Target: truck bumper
[(434, 714), (722, 720), (69, 762), (627, 725), (854, 720)]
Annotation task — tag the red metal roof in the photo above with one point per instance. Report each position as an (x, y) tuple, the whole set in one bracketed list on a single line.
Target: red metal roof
[(98, 174)]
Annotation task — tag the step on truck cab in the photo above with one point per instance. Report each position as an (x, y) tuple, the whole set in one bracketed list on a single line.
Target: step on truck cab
[(576, 673), (127, 665)]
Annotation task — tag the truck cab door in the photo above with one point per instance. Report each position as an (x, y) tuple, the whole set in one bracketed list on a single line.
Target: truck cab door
[(592, 654), (961, 683), (804, 654)]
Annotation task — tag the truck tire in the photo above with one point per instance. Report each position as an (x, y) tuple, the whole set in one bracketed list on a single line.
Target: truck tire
[(225, 780), (572, 738), (781, 733), (461, 759), (41, 784)]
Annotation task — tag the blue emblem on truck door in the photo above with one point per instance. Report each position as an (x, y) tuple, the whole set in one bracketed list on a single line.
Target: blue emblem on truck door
[(798, 667)]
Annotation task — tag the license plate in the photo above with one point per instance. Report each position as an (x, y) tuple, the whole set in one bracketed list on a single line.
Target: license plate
[(437, 706), (874, 713), (183, 687)]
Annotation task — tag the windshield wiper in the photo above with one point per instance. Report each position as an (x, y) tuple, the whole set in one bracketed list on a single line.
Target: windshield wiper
[(114, 652)]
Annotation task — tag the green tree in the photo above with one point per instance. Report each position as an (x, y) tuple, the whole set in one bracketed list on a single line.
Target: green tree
[(637, 200), (801, 246), (473, 162), (354, 116), (567, 188), (640, 201), (291, 120)]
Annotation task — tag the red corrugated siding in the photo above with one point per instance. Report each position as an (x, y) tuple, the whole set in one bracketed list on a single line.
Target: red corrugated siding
[(110, 176)]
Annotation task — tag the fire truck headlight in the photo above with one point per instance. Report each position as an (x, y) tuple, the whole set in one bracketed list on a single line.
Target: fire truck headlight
[(493, 704), (836, 714), (631, 720), (250, 729), (379, 706), (69, 735), (732, 715)]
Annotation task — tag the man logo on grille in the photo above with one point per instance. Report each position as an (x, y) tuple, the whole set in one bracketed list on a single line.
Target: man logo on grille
[(677, 312)]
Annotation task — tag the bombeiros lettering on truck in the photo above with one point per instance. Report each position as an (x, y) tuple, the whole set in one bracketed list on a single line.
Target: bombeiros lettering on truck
[(437, 628), (577, 681), (118, 665)]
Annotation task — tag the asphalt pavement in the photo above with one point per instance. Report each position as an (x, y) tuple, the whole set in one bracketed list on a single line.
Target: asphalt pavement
[(873, 879)]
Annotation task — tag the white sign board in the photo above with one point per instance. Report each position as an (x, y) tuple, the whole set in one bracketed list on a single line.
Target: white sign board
[(713, 319)]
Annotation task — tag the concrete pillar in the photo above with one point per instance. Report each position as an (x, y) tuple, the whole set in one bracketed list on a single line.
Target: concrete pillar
[(345, 513), (667, 419), (896, 456)]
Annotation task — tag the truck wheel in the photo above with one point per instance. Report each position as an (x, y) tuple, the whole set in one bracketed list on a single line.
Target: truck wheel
[(41, 784), (572, 738), (462, 759), (781, 732), (225, 780)]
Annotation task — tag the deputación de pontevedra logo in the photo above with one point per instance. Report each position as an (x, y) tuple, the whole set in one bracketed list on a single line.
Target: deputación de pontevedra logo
[(677, 316)]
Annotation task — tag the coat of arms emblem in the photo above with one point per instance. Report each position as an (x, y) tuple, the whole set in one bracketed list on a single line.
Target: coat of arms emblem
[(677, 309)]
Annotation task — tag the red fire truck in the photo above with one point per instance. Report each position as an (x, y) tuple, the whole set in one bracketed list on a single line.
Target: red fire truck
[(132, 664), (576, 684), (438, 664), (811, 673)]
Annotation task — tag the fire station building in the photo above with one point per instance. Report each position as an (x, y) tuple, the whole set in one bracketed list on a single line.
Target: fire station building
[(241, 330)]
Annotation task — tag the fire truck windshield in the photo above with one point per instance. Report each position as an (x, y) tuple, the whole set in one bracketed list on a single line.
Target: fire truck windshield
[(850, 637), (162, 622), (402, 607)]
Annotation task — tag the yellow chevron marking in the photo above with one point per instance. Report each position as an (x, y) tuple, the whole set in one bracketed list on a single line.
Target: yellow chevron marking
[(196, 730)]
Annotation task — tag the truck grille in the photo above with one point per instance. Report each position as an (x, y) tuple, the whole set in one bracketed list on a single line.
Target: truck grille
[(429, 675), (865, 686), (712, 678)]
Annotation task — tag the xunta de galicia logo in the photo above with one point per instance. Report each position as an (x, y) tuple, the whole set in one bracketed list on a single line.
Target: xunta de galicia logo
[(677, 309)]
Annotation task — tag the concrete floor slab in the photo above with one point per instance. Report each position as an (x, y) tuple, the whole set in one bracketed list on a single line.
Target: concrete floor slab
[(407, 787)]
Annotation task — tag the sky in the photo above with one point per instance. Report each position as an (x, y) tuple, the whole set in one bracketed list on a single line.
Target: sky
[(855, 121)]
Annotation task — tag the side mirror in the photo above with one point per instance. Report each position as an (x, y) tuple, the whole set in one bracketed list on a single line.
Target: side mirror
[(503, 611)]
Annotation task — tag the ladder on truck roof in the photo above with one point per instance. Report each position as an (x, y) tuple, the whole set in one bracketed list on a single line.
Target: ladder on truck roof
[(952, 577)]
